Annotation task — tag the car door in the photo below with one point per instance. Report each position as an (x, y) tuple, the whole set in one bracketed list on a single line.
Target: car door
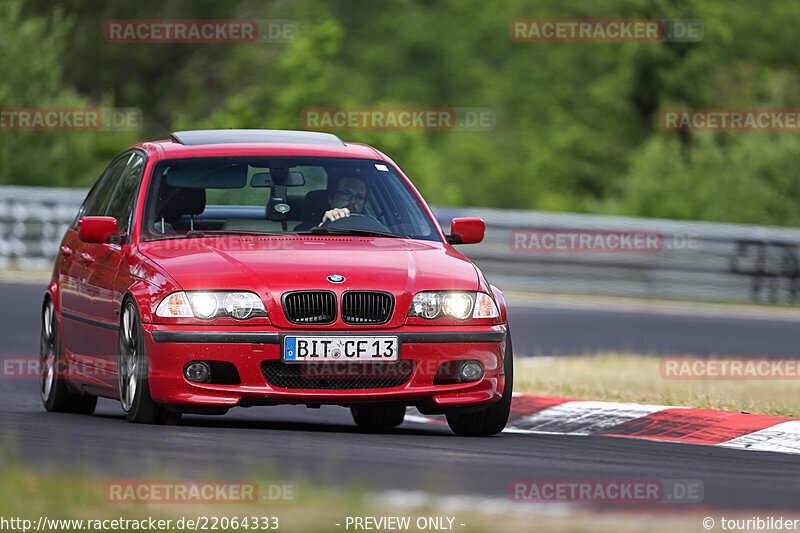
[(75, 304), (84, 334), (104, 278)]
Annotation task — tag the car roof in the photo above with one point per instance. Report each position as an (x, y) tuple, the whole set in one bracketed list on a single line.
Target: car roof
[(197, 137), (195, 143)]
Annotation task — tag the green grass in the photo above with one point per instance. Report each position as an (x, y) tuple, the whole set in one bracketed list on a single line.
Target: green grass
[(636, 378)]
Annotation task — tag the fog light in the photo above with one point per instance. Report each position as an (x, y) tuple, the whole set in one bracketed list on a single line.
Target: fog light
[(197, 372), (471, 371)]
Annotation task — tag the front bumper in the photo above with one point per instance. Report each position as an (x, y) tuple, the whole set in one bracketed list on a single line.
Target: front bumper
[(170, 348)]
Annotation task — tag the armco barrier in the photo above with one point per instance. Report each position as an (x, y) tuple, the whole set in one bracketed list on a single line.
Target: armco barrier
[(698, 260), (32, 223)]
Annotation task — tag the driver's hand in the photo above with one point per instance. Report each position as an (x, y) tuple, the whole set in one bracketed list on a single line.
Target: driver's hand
[(335, 214)]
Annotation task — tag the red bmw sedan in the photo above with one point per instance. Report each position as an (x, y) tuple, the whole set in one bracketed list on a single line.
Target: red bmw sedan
[(228, 268)]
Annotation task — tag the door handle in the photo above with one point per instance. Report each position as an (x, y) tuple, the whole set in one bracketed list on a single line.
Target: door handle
[(66, 250), (86, 257)]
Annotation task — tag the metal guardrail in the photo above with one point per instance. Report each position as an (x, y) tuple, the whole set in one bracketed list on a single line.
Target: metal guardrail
[(32, 224), (699, 260)]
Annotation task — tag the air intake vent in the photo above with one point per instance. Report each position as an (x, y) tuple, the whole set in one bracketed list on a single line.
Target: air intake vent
[(310, 307), (338, 375), (367, 307)]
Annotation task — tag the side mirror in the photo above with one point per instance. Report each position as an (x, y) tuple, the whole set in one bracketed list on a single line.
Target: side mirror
[(466, 231), (97, 229)]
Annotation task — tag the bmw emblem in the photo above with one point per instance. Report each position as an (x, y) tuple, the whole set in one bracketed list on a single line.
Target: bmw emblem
[(336, 278)]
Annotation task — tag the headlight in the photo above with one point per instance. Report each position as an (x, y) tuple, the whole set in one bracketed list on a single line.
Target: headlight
[(457, 305), (452, 304), (204, 305), (426, 304), (240, 305)]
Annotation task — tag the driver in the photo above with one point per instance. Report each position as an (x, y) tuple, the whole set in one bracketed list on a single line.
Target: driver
[(347, 198)]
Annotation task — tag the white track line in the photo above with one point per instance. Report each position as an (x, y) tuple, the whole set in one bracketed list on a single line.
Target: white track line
[(783, 437), (585, 417)]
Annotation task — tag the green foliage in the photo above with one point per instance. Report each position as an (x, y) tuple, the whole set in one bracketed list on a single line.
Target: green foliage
[(31, 58), (577, 123)]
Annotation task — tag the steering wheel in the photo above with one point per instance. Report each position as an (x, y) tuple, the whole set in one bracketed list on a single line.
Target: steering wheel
[(357, 221)]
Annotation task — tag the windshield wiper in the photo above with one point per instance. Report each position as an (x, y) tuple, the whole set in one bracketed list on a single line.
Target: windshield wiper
[(351, 231)]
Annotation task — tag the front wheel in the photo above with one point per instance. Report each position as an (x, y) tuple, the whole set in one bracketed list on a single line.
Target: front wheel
[(378, 416), (494, 417), (132, 368)]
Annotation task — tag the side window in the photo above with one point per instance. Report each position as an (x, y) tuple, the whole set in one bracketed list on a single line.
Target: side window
[(96, 203), (124, 197)]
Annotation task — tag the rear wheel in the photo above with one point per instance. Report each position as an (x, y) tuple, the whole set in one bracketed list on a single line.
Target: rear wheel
[(493, 418), (134, 387), (378, 416), (52, 387)]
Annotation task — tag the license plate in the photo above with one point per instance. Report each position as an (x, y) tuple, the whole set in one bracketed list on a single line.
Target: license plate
[(367, 349)]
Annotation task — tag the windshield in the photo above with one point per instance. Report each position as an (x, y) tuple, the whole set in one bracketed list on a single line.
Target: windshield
[(202, 196)]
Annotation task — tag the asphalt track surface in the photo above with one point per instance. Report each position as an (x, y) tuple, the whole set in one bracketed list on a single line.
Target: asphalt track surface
[(323, 445)]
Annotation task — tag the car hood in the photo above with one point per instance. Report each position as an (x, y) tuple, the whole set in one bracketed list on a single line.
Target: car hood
[(271, 266)]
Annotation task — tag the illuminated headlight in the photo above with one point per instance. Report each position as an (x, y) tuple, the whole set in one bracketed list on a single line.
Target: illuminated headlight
[(207, 305), (452, 304), (204, 304), (457, 305)]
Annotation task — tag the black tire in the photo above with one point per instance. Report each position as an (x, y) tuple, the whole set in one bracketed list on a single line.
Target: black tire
[(132, 368), (493, 418), (378, 416), (53, 390)]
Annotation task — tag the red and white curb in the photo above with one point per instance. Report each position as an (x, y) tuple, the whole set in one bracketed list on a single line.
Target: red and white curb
[(564, 416)]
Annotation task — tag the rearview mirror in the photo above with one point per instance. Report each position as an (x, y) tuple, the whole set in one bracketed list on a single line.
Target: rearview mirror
[(97, 229), (466, 231), (265, 179)]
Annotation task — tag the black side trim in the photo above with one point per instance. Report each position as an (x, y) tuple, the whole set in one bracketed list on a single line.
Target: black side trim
[(255, 337), (452, 336), (91, 321), (219, 337)]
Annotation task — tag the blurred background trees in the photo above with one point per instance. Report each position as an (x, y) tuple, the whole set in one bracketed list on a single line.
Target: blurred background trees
[(577, 123)]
